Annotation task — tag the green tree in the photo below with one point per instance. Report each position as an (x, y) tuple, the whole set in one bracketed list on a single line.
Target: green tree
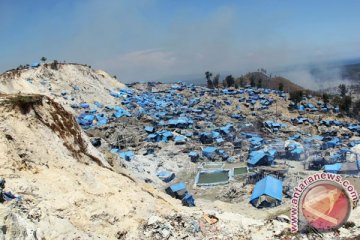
[(259, 83), (224, 83), (296, 96), (54, 65), (43, 59), (281, 86), (325, 98), (216, 80), (356, 108), (230, 81), (345, 104), (242, 81), (343, 90), (208, 79), (252, 80)]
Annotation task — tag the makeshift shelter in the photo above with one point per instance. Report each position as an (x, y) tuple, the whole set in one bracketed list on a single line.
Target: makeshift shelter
[(166, 176), (84, 105), (206, 138), (331, 143), (260, 158), (273, 126), (35, 65), (194, 156), (332, 168), (179, 139), (267, 192), (149, 129), (128, 155), (209, 152), (177, 190), (85, 120)]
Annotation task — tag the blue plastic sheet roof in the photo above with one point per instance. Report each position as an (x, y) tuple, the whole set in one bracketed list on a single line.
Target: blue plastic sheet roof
[(178, 187), (209, 152), (209, 149), (332, 167), (84, 105), (101, 119), (297, 151), (227, 129), (256, 140), (166, 176), (256, 156), (98, 104), (193, 154), (269, 186), (120, 112), (128, 155), (180, 139), (34, 65), (149, 129)]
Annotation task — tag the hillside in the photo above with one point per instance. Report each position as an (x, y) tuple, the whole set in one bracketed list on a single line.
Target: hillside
[(95, 172), (351, 72), (66, 185), (272, 83), (67, 83)]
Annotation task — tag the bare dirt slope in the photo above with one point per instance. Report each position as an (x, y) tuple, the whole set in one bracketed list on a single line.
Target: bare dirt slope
[(78, 83), (67, 188)]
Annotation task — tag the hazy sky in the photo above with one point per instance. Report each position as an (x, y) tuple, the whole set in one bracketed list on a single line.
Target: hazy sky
[(158, 39)]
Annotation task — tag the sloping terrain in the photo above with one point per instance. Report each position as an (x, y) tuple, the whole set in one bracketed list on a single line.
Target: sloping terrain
[(67, 83), (272, 83), (70, 190), (67, 190)]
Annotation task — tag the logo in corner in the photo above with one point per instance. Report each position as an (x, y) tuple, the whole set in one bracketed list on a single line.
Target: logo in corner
[(323, 202)]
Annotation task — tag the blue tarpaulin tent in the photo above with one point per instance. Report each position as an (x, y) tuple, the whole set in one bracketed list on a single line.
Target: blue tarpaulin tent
[(210, 152), (35, 65), (101, 119), (267, 192), (85, 120), (149, 129), (98, 104), (227, 129), (166, 176), (177, 190), (332, 168), (194, 156), (128, 155), (261, 157), (121, 112), (179, 139), (206, 138), (188, 200), (84, 105), (330, 144)]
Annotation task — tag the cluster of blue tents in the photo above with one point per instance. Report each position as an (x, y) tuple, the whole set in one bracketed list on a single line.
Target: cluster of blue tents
[(175, 117), (294, 151), (273, 126), (309, 107)]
